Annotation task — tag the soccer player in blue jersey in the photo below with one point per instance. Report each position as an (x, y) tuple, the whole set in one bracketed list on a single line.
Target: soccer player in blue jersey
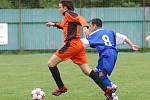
[(105, 42)]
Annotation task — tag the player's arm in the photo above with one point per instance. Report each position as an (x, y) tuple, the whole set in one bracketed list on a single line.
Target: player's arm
[(85, 42), (121, 39), (84, 25), (147, 38), (56, 24), (131, 44)]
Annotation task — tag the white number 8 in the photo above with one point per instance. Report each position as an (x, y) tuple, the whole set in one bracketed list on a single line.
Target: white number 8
[(106, 40)]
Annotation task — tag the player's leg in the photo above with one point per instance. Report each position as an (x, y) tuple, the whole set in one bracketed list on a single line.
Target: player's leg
[(107, 82), (114, 95), (66, 52), (102, 72), (114, 86), (91, 73), (81, 59), (114, 89), (52, 64), (105, 67)]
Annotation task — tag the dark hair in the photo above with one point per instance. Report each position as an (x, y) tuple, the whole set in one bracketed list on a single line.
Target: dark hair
[(97, 21), (68, 4)]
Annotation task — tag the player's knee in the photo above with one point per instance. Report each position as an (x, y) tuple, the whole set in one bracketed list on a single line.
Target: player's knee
[(50, 64), (85, 72), (85, 69), (102, 74)]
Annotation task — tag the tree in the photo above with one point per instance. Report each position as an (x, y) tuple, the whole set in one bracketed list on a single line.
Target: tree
[(5, 4), (49, 3), (78, 3)]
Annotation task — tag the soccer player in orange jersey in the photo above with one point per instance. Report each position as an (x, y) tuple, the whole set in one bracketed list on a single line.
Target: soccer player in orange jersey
[(73, 48)]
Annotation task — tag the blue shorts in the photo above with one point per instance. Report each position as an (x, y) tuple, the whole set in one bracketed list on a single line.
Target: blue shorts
[(107, 61)]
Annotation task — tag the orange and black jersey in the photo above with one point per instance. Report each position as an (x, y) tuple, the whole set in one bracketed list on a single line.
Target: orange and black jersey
[(71, 25), (73, 47)]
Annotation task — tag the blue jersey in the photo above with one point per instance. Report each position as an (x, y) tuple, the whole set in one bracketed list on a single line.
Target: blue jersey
[(102, 39), (105, 42)]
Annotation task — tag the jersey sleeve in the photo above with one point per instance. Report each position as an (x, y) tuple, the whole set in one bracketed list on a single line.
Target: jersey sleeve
[(120, 38), (59, 25), (82, 21), (85, 42), (73, 17)]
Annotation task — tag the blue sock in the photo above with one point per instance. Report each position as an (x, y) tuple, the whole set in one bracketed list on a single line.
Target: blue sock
[(106, 80)]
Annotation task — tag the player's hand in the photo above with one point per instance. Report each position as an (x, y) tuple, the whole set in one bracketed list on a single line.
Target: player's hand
[(85, 31), (50, 24), (147, 38), (135, 47)]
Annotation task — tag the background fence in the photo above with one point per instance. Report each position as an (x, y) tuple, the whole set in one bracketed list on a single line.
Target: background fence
[(27, 27)]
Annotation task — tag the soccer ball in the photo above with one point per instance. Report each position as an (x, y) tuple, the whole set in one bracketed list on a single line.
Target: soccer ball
[(37, 94)]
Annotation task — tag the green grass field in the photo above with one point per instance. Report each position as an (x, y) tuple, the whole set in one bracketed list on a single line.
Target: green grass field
[(19, 74)]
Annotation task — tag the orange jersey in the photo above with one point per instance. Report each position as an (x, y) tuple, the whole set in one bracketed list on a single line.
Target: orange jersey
[(70, 25), (73, 47)]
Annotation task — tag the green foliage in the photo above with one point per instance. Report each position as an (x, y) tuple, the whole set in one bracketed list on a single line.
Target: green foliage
[(111, 3), (77, 3), (5, 4), (49, 3), (30, 4)]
